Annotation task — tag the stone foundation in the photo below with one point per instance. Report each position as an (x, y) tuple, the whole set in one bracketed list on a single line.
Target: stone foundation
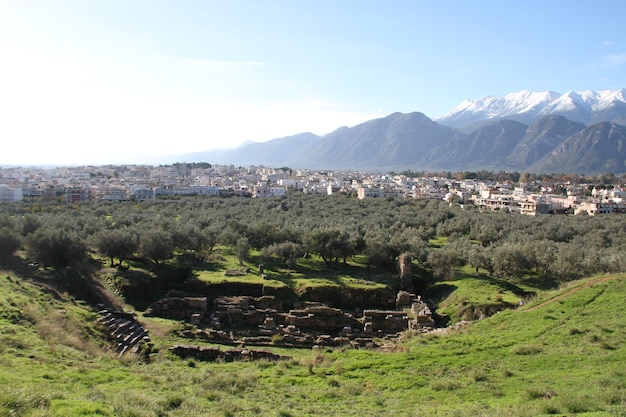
[(262, 321), (212, 354)]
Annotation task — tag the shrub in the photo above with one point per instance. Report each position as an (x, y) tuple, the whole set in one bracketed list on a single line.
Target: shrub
[(478, 375), (56, 247), (535, 392), (9, 243)]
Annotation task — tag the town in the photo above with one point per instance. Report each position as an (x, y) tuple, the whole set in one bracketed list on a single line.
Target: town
[(119, 183)]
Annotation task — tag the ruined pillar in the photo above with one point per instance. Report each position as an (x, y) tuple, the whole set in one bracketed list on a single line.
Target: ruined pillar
[(406, 272)]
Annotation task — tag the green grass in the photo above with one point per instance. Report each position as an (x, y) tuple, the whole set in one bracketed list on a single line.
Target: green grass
[(469, 296), (562, 354), (248, 278), (438, 242), (308, 273)]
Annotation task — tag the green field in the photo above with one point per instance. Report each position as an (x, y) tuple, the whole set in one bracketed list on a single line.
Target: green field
[(562, 353)]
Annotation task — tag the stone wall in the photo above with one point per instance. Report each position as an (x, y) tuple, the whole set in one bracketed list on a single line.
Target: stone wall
[(179, 308), (212, 354), (322, 318), (386, 320)]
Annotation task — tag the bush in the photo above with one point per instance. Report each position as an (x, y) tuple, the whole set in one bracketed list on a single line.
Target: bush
[(10, 242), (57, 247)]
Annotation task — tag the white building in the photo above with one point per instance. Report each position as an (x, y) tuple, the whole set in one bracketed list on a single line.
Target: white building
[(10, 194)]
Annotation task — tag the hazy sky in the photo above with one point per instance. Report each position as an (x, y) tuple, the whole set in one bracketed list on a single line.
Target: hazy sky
[(99, 81)]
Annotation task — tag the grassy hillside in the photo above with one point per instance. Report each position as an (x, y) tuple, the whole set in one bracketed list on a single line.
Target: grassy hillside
[(562, 354)]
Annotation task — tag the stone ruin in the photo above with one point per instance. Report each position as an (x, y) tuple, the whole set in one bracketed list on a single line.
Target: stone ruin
[(405, 264), (264, 321), (212, 354), (179, 308), (229, 312), (422, 316), (126, 333)]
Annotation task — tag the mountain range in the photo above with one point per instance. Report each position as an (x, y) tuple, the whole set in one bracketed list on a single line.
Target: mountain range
[(527, 131)]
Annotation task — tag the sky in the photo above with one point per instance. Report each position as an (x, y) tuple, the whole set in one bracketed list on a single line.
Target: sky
[(124, 81)]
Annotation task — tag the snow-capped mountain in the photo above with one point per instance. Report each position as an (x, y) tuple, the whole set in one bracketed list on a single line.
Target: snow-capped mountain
[(541, 132), (527, 106)]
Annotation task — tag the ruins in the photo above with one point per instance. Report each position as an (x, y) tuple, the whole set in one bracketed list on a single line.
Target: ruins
[(212, 354), (126, 333), (267, 321), (406, 271)]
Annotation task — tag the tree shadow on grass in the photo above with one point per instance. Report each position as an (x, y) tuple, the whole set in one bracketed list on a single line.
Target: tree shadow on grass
[(332, 271), (541, 283), (506, 285), (80, 281), (439, 292)]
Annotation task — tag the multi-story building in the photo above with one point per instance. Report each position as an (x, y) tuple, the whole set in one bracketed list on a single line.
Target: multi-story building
[(10, 194), (75, 194), (593, 208), (533, 208)]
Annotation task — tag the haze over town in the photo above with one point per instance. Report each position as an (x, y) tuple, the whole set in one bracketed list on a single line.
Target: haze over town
[(117, 82)]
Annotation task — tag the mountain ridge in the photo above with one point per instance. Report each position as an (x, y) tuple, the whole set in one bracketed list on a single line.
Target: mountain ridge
[(521, 131), (587, 107)]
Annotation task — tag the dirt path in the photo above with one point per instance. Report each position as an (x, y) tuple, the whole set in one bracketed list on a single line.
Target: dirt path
[(569, 291)]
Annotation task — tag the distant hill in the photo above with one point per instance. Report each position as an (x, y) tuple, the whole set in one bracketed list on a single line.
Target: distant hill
[(540, 138), (534, 132), (396, 141), (485, 148), (597, 148)]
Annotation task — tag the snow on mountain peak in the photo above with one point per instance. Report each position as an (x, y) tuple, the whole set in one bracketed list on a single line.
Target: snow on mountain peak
[(529, 104), (607, 97)]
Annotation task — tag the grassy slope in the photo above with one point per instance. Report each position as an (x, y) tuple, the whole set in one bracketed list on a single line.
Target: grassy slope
[(563, 354), (309, 273)]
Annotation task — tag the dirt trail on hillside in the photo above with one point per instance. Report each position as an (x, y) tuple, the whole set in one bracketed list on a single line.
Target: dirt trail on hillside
[(569, 291)]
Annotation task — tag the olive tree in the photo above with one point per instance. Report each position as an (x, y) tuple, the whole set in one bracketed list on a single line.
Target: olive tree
[(56, 247), (287, 252), (242, 248), (10, 242), (156, 244), (444, 262), (120, 244)]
